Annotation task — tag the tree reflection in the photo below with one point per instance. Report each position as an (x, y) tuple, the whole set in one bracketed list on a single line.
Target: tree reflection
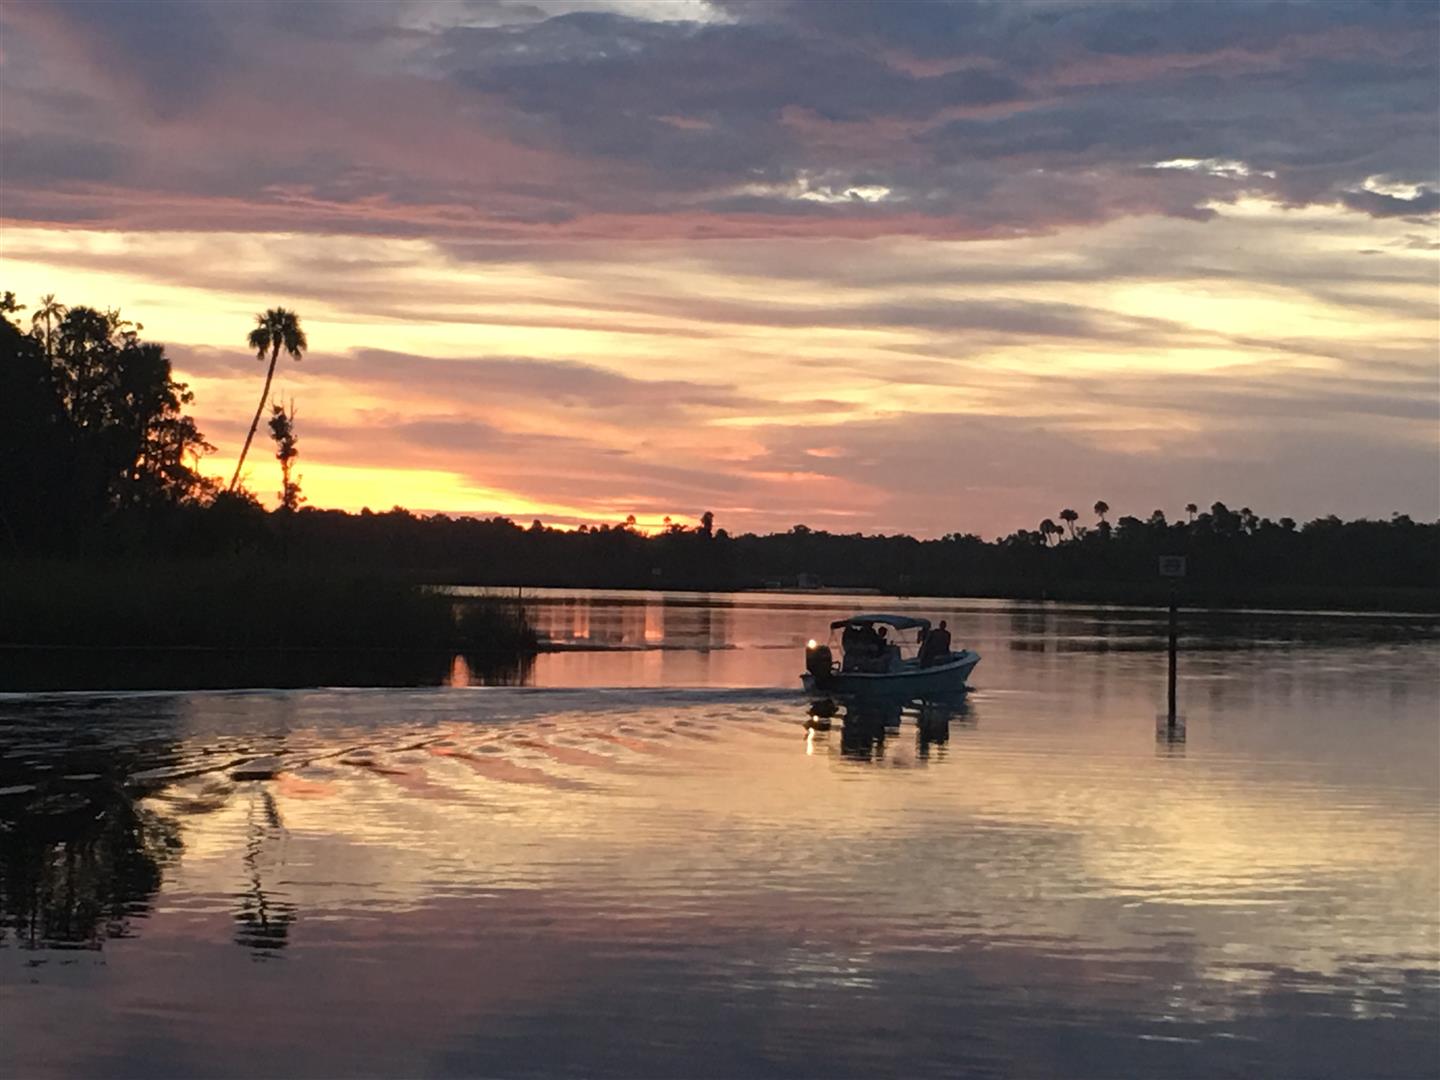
[(477, 670), (77, 867), (263, 920)]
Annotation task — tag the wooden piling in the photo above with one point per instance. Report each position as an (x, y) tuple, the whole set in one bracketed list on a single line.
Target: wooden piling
[(1174, 639)]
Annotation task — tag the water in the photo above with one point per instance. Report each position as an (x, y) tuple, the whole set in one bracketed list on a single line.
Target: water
[(645, 862)]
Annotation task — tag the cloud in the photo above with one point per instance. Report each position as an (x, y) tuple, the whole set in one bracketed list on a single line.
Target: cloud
[(163, 55), (596, 121), (1378, 204), (938, 473), (564, 383), (556, 384), (559, 434), (41, 157)]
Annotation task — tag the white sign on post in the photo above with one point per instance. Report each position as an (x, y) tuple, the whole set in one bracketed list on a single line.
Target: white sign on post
[(1172, 565)]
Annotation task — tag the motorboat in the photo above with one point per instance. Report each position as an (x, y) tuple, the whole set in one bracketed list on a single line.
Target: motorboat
[(883, 655)]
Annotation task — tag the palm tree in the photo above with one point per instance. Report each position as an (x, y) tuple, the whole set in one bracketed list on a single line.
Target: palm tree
[(1101, 509), (274, 330), (50, 310), (1192, 510), (282, 430), (1048, 529), (1070, 517)]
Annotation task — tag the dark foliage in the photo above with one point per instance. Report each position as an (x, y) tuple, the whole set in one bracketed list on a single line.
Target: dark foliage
[(92, 432), (245, 604), (1233, 559), (282, 431)]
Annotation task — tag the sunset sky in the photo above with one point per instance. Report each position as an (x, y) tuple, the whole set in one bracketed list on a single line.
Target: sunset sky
[(873, 267)]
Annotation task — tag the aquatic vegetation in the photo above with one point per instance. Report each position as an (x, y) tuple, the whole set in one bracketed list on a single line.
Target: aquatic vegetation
[(246, 604)]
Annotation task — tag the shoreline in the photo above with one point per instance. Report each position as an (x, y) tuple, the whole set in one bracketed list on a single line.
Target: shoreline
[(1283, 600)]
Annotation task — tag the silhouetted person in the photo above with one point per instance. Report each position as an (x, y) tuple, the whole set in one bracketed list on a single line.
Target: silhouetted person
[(886, 652), (856, 644), (865, 649), (936, 649)]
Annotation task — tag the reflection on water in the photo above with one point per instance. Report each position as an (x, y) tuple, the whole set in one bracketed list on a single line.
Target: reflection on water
[(738, 639), (263, 920), (865, 723), (691, 879), (77, 868), (40, 669), (609, 639)]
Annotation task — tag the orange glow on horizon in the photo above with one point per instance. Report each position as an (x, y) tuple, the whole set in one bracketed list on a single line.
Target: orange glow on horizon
[(604, 386)]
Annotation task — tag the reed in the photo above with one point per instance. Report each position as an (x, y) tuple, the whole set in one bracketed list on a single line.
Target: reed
[(246, 604)]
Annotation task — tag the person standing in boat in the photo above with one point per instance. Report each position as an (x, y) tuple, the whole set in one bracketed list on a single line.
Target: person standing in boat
[(936, 648)]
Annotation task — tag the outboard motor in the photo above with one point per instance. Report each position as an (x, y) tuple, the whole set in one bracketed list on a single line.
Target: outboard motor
[(818, 659)]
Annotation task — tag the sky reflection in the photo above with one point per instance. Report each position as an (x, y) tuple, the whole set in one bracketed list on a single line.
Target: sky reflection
[(644, 882)]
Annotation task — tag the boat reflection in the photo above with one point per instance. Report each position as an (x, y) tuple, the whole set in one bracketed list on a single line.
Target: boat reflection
[(867, 722)]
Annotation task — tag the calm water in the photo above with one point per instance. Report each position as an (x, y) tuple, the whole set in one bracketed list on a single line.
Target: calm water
[(645, 863)]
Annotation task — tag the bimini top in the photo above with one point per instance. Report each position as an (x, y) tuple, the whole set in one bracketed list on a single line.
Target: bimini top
[(899, 622)]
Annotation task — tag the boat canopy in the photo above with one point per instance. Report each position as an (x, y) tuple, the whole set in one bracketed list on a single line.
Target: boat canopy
[(899, 622)]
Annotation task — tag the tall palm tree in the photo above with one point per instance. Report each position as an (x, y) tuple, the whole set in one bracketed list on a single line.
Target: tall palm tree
[(1101, 509), (50, 311), (1070, 517), (275, 330), (1192, 510)]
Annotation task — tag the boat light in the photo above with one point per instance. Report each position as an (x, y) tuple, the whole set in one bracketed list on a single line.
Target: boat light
[(812, 643)]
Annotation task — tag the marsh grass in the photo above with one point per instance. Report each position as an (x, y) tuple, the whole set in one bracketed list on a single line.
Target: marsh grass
[(246, 605)]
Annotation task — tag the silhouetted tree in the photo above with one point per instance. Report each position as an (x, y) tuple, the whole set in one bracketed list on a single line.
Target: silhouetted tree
[(94, 428), (263, 920), (1192, 510), (49, 312), (274, 330), (1101, 509), (282, 430), (1070, 517), (1224, 520)]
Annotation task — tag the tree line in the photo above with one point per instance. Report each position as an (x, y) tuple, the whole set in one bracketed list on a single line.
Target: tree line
[(1232, 557), (103, 461), (99, 455)]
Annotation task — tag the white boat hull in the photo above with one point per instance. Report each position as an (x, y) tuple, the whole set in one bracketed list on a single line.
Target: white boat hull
[(909, 681)]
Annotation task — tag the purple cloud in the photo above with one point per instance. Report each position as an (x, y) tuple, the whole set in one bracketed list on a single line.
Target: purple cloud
[(812, 119)]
